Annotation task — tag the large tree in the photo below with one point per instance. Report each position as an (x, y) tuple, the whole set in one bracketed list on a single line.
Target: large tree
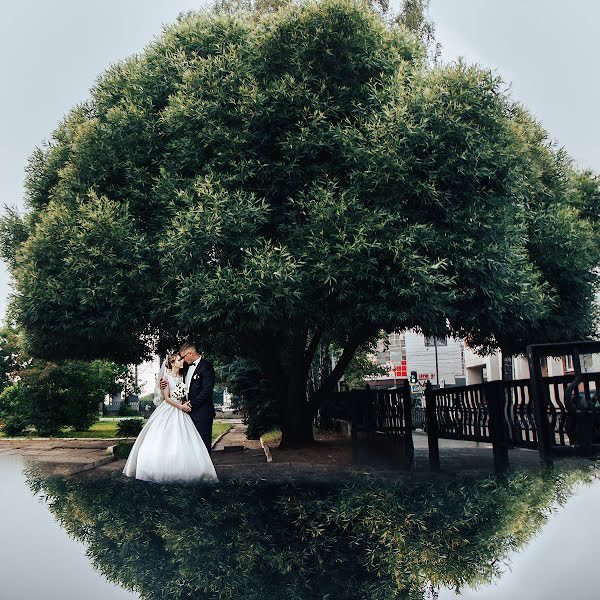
[(268, 184)]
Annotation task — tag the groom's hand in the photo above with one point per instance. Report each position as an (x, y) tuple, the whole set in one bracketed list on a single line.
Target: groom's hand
[(163, 383)]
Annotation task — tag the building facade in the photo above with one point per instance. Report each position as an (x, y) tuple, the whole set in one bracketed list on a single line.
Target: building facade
[(480, 369), (403, 353)]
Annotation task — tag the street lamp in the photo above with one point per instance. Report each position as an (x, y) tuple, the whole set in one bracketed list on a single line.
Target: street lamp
[(437, 368)]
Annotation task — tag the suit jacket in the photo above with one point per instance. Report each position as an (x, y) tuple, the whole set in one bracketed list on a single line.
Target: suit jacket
[(200, 393)]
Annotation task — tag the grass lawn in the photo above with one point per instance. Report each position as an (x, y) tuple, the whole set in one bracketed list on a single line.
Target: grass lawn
[(220, 428), (272, 436), (107, 428), (101, 429)]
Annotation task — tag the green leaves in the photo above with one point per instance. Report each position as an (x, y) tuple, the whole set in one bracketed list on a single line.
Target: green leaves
[(50, 396), (303, 169), (77, 277)]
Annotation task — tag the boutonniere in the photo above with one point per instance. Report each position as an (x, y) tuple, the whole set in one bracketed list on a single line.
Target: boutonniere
[(195, 377)]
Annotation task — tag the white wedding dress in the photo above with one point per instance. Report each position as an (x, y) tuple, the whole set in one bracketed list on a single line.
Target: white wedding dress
[(169, 448)]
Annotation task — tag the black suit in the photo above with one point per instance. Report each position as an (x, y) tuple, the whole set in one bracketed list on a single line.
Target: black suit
[(200, 396)]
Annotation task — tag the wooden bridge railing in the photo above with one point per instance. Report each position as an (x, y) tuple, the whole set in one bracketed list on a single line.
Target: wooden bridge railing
[(551, 414), (381, 424), (473, 413), (503, 413), (564, 409)]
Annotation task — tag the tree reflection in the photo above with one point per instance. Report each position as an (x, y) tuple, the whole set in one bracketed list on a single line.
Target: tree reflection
[(370, 539)]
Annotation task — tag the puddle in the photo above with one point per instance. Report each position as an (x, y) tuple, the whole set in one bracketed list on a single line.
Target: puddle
[(37, 558), (109, 538)]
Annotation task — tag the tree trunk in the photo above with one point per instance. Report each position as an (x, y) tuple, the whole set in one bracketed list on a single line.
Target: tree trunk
[(296, 413), (296, 416)]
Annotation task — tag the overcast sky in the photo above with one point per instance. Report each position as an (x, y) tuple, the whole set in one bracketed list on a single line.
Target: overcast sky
[(52, 51)]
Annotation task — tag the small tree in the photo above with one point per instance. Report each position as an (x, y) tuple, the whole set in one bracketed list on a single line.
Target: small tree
[(12, 358), (15, 412), (50, 395), (65, 394), (362, 366)]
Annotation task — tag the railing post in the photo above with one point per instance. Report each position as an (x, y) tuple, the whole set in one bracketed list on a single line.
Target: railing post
[(494, 399), (354, 424), (432, 429), (409, 447), (583, 415), (540, 410)]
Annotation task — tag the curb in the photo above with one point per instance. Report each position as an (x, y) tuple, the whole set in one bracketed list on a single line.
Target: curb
[(212, 446), (266, 450), (92, 465), (65, 439), (112, 450)]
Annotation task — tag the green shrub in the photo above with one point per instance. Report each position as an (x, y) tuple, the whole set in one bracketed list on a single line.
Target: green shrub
[(14, 410), (123, 449), (51, 396), (253, 397), (125, 410), (130, 427)]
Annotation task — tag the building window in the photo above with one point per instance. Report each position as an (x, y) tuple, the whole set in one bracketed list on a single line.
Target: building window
[(396, 341), (568, 363)]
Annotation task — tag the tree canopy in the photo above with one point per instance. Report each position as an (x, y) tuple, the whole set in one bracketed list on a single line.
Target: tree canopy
[(265, 183)]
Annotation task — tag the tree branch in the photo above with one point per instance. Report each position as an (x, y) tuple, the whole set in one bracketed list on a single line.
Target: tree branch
[(362, 334), (312, 348)]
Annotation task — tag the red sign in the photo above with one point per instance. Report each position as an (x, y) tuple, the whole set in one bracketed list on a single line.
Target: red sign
[(400, 370), (425, 376)]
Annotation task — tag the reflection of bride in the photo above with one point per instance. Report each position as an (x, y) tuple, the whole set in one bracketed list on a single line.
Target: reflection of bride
[(169, 448)]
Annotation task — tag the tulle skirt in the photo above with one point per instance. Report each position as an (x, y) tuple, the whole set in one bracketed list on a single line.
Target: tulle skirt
[(169, 449)]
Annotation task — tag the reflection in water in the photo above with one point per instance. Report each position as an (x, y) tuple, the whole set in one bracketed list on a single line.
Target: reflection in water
[(365, 539)]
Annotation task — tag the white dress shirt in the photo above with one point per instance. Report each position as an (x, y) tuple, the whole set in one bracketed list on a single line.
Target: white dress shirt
[(189, 375)]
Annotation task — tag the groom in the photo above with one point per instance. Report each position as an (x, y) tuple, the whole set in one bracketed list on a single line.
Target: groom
[(199, 378)]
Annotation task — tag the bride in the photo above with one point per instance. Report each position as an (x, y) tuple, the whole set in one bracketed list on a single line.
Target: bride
[(169, 449)]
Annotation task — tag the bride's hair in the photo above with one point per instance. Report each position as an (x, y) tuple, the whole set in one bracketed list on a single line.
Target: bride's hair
[(170, 360)]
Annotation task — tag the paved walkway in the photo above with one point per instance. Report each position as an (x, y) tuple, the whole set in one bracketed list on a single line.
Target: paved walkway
[(235, 440), (62, 456), (235, 457)]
